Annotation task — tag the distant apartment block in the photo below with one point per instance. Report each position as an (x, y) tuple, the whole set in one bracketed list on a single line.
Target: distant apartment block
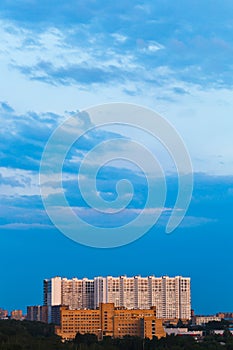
[(17, 315), (201, 320), (37, 313), (183, 332), (110, 321), (170, 295), (3, 314), (225, 315)]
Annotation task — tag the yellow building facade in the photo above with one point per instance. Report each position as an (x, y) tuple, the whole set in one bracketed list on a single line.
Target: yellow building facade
[(110, 321)]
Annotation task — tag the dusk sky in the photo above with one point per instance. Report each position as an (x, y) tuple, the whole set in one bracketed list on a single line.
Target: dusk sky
[(61, 57)]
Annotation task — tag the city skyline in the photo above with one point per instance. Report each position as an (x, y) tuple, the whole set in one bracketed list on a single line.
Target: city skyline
[(60, 59), (70, 292)]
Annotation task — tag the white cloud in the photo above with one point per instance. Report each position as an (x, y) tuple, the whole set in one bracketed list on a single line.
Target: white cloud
[(28, 181), (119, 37), (154, 46), (23, 226)]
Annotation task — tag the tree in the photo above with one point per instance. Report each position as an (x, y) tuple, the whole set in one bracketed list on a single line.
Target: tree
[(86, 338)]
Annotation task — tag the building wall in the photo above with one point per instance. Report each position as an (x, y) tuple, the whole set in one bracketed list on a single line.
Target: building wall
[(88, 293), (77, 294), (171, 297), (100, 294), (53, 291), (106, 318), (185, 298), (156, 295), (132, 327), (127, 292), (71, 293), (78, 321), (153, 327), (113, 291), (141, 292)]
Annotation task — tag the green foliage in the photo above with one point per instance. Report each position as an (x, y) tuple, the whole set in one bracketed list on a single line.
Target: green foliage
[(26, 335)]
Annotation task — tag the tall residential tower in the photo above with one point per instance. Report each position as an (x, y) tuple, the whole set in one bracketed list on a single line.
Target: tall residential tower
[(170, 295)]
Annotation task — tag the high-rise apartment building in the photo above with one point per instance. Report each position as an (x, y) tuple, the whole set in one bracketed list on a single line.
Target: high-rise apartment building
[(75, 293), (170, 295)]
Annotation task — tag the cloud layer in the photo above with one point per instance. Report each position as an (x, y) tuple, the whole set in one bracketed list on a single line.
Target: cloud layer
[(22, 142)]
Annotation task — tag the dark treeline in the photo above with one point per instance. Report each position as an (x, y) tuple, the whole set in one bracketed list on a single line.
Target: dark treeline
[(89, 342), (26, 335), (17, 335)]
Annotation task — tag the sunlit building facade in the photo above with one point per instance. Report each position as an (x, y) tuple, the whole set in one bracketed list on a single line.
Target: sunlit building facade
[(108, 320), (170, 295)]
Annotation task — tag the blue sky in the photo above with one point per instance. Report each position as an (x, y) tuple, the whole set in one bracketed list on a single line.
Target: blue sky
[(59, 57)]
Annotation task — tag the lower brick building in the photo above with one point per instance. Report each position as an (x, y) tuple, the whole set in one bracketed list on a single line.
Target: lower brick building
[(110, 321)]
